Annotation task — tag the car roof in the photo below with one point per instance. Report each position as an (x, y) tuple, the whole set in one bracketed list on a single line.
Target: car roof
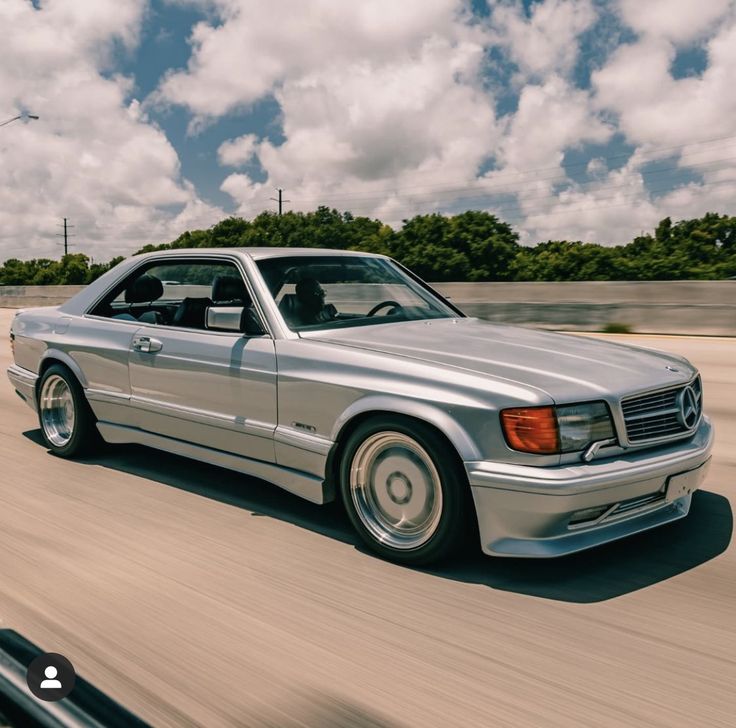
[(262, 253)]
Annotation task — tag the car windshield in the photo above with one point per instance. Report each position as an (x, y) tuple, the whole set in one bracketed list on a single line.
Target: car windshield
[(337, 291)]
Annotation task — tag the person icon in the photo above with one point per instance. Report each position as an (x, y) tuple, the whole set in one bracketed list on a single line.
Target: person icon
[(51, 682), (50, 677)]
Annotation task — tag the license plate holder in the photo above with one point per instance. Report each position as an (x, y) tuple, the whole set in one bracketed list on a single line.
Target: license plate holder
[(685, 483)]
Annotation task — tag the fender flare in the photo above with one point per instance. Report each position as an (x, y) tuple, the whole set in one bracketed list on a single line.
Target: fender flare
[(431, 414), (66, 360)]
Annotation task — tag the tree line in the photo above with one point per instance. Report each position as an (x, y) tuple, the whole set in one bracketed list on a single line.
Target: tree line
[(470, 246)]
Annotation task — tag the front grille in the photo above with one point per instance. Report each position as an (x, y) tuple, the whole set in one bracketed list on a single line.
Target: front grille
[(665, 413)]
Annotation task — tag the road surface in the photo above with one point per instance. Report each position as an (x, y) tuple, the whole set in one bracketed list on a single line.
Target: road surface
[(195, 596)]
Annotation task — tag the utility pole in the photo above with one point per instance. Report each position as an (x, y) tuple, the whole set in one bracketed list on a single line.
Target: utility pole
[(279, 199), (66, 236)]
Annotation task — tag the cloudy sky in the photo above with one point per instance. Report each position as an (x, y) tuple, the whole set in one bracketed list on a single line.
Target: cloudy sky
[(570, 119)]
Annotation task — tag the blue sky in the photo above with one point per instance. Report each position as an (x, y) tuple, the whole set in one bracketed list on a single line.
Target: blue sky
[(576, 119)]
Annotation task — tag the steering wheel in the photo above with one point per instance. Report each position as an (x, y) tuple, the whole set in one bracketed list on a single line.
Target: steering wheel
[(381, 305)]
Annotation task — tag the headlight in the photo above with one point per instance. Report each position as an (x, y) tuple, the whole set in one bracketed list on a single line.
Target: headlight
[(552, 430), (581, 424)]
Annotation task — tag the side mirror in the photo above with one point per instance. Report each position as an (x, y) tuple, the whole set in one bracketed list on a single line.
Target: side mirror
[(243, 320), (250, 324)]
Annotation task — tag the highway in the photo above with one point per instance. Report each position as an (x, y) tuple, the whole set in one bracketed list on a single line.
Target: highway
[(195, 596)]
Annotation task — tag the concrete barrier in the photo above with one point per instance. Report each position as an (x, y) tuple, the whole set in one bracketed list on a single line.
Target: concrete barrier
[(664, 307), (27, 296), (677, 307)]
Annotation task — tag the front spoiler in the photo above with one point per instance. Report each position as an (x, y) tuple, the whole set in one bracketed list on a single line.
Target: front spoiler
[(526, 511)]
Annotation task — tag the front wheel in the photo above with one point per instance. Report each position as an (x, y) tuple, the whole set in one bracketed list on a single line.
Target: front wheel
[(404, 491), (66, 419)]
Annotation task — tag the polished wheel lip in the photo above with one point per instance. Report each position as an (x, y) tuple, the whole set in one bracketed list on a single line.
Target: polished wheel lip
[(383, 502), (58, 414)]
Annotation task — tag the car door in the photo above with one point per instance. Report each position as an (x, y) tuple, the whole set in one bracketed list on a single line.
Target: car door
[(212, 388), (100, 348)]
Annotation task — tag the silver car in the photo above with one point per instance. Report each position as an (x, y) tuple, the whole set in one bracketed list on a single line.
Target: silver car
[(336, 374)]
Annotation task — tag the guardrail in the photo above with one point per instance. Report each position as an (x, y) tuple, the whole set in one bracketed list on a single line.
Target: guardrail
[(677, 307)]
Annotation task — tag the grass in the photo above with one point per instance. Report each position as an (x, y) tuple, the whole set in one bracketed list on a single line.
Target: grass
[(617, 328)]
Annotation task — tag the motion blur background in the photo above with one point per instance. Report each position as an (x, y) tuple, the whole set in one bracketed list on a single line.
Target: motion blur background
[(558, 163)]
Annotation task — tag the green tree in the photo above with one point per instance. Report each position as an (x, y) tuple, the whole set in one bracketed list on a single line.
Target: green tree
[(473, 246)]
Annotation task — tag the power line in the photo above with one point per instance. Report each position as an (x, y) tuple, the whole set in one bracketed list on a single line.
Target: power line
[(652, 155), (66, 236), (479, 188), (479, 193), (16, 118), (540, 211)]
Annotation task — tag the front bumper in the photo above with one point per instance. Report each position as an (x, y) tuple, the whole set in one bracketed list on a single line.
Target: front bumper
[(24, 383), (527, 512)]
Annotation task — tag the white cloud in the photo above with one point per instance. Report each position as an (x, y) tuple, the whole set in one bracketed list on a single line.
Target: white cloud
[(550, 118), (384, 107), (236, 152), (547, 40), (656, 110), (376, 96), (255, 45), (610, 210), (93, 156), (384, 111), (680, 21)]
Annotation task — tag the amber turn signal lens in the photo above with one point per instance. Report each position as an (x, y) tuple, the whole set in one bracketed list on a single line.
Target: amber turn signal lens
[(531, 429)]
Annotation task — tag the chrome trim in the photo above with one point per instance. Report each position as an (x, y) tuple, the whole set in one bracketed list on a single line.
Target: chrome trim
[(104, 395), (303, 440), (25, 375), (238, 424), (151, 261), (626, 441), (594, 447)]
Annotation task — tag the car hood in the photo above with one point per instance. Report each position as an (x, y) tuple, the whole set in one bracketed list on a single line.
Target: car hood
[(567, 367)]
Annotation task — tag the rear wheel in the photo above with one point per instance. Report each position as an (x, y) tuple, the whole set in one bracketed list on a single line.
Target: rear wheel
[(405, 493), (66, 419)]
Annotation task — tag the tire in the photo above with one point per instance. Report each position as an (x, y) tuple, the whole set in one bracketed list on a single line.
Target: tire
[(66, 419), (405, 494)]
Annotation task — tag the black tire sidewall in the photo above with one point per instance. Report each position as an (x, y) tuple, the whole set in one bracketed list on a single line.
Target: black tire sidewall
[(454, 521), (84, 430)]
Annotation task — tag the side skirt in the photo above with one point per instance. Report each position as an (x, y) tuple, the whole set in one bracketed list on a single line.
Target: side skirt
[(302, 484)]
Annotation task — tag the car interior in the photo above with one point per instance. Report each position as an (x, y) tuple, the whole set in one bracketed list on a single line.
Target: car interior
[(143, 299)]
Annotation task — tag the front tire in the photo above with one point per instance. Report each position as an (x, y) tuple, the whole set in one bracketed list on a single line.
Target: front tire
[(404, 491), (66, 419)]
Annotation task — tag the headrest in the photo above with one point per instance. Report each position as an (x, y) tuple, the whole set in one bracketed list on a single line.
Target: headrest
[(290, 309), (144, 289), (230, 288)]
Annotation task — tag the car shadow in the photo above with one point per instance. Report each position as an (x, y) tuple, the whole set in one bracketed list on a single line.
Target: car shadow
[(595, 575), (614, 569)]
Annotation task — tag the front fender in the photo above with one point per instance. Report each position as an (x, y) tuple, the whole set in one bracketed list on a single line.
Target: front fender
[(434, 415)]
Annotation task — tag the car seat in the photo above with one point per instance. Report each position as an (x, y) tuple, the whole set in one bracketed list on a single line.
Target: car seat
[(230, 291), (192, 313), (290, 308)]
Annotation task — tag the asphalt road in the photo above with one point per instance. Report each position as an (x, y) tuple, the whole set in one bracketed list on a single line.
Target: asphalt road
[(197, 597)]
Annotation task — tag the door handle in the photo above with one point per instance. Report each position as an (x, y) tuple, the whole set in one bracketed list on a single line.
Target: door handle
[(147, 344)]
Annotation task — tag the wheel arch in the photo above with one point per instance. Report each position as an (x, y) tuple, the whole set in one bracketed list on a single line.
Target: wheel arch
[(439, 420), (55, 356)]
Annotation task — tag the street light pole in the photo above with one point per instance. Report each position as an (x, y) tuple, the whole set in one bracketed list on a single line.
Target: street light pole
[(20, 116)]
